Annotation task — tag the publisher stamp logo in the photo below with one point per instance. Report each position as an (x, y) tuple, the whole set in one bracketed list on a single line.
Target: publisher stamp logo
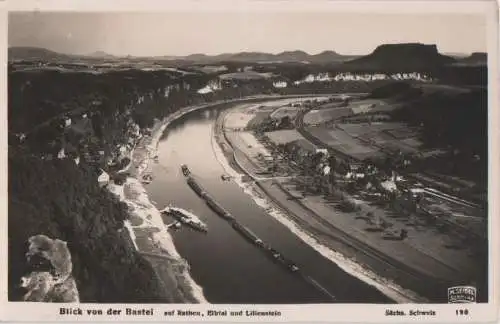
[(461, 295)]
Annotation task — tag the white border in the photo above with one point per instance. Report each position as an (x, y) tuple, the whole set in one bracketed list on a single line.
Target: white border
[(302, 313), (371, 6)]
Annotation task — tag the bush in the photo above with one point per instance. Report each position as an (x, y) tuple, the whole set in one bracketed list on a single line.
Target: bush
[(347, 205), (119, 178)]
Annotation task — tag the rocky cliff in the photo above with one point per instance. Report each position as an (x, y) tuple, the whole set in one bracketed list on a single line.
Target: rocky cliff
[(403, 57), (56, 282)]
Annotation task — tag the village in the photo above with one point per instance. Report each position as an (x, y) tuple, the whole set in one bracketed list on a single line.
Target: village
[(367, 191)]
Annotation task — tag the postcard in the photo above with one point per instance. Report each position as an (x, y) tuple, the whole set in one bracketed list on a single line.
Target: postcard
[(250, 161)]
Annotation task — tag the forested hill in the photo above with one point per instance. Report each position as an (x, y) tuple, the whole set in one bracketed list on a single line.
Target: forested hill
[(448, 118), (60, 200)]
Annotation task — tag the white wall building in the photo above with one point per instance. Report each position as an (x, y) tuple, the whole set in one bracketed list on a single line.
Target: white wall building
[(103, 178), (212, 85), (280, 84)]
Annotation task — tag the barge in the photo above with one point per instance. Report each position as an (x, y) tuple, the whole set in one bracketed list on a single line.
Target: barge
[(218, 209), (185, 170), (196, 187), (248, 234), (243, 230)]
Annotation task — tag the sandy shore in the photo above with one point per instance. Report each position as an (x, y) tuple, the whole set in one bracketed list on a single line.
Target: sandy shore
[(147, 231), (407, 271)]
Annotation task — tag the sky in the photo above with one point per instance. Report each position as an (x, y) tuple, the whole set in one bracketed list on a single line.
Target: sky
[(183, 33)]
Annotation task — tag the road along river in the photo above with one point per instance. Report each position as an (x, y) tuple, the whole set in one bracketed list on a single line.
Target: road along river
[(228, 267)]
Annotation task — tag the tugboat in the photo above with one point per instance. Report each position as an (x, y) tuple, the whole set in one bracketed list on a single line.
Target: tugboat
[(146, 179), (185, 170)]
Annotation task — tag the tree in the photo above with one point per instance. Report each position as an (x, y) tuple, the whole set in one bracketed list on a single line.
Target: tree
[(286, 122)]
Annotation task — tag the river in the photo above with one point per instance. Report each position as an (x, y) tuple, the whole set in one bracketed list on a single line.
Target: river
[(226, 265)]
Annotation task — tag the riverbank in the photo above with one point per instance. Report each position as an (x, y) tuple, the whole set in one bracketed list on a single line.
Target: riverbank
[(149, 234), (299, 221), (147, 231), (338, 240)]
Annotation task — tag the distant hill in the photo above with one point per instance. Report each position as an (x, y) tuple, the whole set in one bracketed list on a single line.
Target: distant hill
[(34, 53), (330, 56), (411, 56), (292, 56), (42, 54), (476, 58), (251, 57), (101, 54), (408, 56), (262, 57)]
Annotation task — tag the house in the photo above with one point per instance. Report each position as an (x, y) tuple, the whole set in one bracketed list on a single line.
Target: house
[(324, 151), (67, 122), (354, 175), (122, 148), (389, 185), (280, 84), (103, 178), (61, 154)]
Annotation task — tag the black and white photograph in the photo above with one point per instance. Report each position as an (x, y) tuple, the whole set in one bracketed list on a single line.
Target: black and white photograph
[(248, 158)]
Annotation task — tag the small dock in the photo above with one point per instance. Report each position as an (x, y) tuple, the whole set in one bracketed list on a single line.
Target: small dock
[(186, 218)]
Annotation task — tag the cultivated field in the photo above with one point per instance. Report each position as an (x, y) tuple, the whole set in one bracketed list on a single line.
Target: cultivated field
[(248, 143), (275, 109), (332, 111), (366, 106), (343, 142), (362, 129), (258, 118), (319, 116), (208, 69), (285, 111), (362, 140), (247, 75), (284, 136), (240, 118)]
